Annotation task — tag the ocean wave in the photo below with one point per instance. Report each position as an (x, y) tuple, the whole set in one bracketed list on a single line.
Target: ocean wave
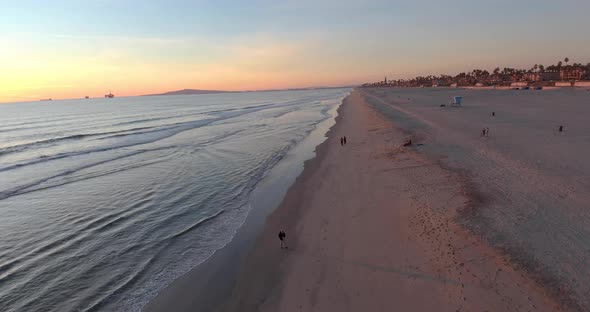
[(117, 285), (36, 185), (66, 242), (195, 225), (167, 131), (25, 146)]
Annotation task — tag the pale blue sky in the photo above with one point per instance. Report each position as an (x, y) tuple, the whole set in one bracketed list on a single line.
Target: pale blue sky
[(196, 43)]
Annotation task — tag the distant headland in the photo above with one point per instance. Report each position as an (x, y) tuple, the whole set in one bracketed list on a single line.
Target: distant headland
[(188, 92), (197, 91)]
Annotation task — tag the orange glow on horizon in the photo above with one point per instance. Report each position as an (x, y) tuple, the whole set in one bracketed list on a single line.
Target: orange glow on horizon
[(31, 73)]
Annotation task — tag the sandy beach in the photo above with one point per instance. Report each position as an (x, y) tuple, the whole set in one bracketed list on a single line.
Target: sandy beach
[(454, 222), (373, 226)]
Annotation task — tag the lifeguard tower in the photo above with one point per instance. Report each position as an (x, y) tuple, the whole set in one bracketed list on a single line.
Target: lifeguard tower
[(456, 101)]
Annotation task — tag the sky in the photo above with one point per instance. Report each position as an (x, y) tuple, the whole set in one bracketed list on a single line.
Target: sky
[(73, 48)]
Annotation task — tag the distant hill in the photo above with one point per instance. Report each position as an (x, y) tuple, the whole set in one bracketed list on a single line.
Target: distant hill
[(188, 91), (196, 91)]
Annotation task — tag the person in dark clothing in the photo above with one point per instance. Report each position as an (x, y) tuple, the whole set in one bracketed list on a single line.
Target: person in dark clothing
[(487, 131), (282, 237), (341, 141), (560, 128), (493, 113), (344, 140)]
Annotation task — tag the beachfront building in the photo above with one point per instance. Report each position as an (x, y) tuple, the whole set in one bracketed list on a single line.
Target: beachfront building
[(533, 76), (550, 76), (573, 73), (491, 80), (542, 76)]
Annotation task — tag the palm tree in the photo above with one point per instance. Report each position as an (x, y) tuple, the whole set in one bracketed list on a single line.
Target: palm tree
[(541, 68), (567, 59), (559, 65), (535, 67)]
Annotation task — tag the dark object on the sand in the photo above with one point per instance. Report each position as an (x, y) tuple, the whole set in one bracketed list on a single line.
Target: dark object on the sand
[(344, 140), (487, 131), (493, 113), (341, 141), (408, 142), (525, 88), (538, 88), (443, 105), (560, 128), (282, 237)]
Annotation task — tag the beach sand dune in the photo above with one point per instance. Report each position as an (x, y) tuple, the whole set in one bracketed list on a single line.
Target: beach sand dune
[(374, 226)]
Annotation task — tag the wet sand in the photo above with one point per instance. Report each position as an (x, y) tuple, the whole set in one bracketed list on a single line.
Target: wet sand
[(373, 226)]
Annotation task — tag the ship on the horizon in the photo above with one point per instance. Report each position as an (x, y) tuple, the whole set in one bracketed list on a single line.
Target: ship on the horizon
[(110, 95)]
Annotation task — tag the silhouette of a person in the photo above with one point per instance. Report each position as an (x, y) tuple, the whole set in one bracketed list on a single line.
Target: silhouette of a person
[(282, 237), (341, 141), (344, 139), (560, 128)]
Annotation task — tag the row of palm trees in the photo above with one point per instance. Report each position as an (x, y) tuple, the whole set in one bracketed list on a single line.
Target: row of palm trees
[(506, 74)]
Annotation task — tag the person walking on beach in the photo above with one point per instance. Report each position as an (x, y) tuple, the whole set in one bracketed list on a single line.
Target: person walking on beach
[(282, 237), (483, 132), (341, 141), (560, 128), (487, 131), (493, 113), (344, 140)]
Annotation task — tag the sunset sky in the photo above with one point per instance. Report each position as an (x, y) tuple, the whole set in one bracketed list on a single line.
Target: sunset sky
[(69, 49)]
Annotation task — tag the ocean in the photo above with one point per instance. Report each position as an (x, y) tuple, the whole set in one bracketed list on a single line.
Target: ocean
[(104, 202)]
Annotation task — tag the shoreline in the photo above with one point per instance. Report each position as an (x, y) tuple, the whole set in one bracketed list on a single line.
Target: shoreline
[(431, 254), (263, 256), (206, 286)]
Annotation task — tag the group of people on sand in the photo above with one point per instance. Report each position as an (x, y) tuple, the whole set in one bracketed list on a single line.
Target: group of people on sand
[(342, 141), (485, 132)]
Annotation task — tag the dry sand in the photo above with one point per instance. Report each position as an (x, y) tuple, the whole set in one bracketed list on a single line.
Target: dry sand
[(532, 183), (373, 226)]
